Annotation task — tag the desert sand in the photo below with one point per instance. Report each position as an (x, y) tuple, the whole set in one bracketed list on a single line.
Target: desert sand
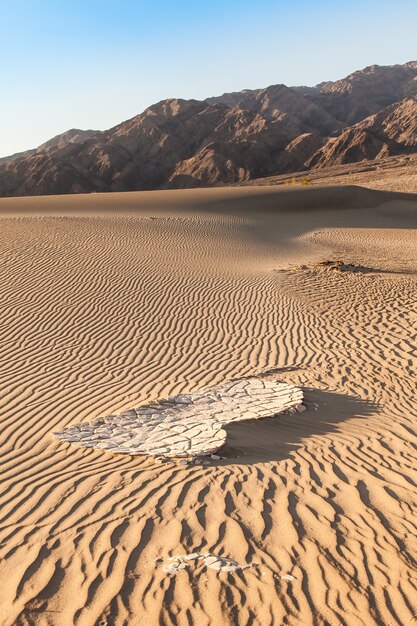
[(110, 301), (395, 173)]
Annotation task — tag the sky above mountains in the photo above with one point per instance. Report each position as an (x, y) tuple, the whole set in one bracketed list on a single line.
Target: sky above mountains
[(91, 64)]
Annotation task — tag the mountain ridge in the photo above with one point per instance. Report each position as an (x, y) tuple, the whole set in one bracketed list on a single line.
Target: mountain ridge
[(235, 137)]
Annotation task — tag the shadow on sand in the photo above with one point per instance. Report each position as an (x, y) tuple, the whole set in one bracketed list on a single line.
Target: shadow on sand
[(274, 438)]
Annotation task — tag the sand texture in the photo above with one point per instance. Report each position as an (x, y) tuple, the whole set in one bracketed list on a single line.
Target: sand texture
[(395, 173), (115, 301)]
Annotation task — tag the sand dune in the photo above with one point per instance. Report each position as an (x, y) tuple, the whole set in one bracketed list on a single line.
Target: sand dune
[(110, 301)]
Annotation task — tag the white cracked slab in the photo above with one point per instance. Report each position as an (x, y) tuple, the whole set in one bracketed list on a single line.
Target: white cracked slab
[(175, 564), (191, 562), (187, 425)]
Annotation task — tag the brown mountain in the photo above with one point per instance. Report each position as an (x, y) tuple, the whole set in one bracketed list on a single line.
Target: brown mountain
[(234, 137), (75, 135), (364, 92), (17, 155), (389, 132)]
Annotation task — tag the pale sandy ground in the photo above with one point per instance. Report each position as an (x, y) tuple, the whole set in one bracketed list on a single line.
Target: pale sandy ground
[(108, 301), (395, 173)]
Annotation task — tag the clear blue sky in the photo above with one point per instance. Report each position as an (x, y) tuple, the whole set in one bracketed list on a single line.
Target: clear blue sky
[(92, 64)]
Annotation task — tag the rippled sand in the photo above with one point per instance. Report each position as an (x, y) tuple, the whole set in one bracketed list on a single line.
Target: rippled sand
[(110, 301)]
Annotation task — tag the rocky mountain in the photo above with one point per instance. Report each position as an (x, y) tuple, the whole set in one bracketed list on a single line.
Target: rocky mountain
[(389, 132), (364, 92), (74, 135), (235, 137), (17, 155)]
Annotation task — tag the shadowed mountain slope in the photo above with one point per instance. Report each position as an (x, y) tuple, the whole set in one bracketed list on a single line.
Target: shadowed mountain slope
[(236, 137)]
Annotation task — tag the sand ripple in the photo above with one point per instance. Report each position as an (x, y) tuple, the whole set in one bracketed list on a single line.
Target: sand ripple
[(103, 312)]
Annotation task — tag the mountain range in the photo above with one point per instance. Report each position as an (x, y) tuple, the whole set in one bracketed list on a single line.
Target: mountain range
[(239, 136)]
